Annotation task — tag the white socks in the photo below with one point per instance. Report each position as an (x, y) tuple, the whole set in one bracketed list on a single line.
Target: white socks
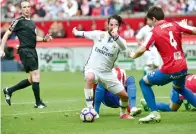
[(89, 97), (123, 107)]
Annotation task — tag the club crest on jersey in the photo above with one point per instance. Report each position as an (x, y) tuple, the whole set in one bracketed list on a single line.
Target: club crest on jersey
[(102, 36)]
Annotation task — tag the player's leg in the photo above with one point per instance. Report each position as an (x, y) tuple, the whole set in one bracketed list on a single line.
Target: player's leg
[(178, 86), (123, 104), (35, 76), (131, 90), (99, 97), (174, 104), (90, 79), (154, 78), (8, 91), (22, 84), (113, 85)]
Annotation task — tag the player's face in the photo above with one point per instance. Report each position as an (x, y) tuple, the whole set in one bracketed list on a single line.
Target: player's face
[(25, 8), (112, 24), (149, 22)]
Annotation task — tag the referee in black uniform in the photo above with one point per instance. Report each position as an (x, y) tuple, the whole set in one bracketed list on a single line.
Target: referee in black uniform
[(25, 29)]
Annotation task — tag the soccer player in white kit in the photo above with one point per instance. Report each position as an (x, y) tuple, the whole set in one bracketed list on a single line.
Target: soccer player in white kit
[(152, 57), (107, 45)]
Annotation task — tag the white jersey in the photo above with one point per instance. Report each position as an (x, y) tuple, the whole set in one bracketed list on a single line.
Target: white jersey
[(152, 56), (105, 50), (143, 32)]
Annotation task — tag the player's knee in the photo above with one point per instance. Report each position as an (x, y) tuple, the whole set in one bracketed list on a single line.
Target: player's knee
[(123, 95), (90, 77), (130, 80), (145, 81), (35, 76)]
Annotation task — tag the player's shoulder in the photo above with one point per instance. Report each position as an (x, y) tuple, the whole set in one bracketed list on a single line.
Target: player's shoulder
[(19, 18), (100, 33), (16, 20), (146, 27)]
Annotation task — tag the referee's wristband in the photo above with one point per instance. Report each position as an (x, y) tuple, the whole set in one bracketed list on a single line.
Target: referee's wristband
[(44, 40)]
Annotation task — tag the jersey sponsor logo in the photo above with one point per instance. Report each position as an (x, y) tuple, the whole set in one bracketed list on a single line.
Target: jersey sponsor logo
[(104, 51), (178, 76), (177, 55)]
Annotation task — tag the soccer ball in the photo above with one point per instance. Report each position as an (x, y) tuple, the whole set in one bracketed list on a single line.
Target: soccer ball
[(88, 114)]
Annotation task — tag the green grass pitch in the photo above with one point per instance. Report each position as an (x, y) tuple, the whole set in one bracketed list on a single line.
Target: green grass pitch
[(63, 94)]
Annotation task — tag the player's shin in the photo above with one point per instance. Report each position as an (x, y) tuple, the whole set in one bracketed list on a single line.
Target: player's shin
[(131, 90), (22, 84), (89, 96), (163, 106), (36, 91), (148, 95), (123, 107), (187, 94)]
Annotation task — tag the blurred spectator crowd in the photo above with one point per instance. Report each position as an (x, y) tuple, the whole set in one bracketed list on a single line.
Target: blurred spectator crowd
[(59, 9)]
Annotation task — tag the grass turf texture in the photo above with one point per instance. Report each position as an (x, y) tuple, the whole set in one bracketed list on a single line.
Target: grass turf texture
[(63, 94)]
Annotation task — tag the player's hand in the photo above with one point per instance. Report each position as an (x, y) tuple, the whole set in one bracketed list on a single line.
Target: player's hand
[(48, 37), (183, 22), (74, 30), (114, 32), (131, 54), (2, 53)]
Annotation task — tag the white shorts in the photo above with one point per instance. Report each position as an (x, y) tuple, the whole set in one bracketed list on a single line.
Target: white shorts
[(107, 79)]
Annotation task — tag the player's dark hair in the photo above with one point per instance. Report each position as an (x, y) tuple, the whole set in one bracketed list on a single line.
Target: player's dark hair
[(118, 18), (155, 12)]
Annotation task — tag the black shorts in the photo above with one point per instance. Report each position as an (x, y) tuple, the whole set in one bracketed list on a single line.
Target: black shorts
[(29, 58)]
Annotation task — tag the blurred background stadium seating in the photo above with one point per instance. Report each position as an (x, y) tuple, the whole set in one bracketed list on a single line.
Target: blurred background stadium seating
[(60, 16)]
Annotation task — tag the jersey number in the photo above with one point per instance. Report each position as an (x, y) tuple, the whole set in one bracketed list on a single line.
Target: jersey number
[(177, 55), (172, 40)]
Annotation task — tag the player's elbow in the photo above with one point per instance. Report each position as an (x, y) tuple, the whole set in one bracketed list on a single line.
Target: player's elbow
[(7, 34)]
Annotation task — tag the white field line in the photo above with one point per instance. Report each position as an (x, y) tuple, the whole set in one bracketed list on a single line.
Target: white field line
[(66, 100), (29, 113), (56, 111), (32, 102)]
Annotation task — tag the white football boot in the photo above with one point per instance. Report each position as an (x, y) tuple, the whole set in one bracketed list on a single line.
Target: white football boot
[(152, 117), (135, 111)]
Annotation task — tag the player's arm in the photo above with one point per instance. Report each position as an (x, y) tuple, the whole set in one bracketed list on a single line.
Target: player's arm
[(120, 41), (183, 27), (12, 28), (5, 38), (145, 46), (86, 34)]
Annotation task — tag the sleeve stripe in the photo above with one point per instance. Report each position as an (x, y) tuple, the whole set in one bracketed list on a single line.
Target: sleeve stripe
[(13, 25)]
